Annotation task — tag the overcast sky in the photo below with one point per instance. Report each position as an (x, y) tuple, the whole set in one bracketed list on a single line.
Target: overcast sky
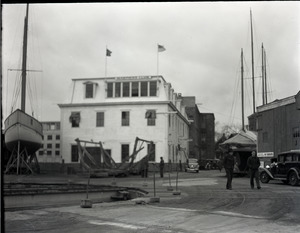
[(203, 43)]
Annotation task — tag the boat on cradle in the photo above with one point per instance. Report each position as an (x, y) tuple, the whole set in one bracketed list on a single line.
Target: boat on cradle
[(22, 133)]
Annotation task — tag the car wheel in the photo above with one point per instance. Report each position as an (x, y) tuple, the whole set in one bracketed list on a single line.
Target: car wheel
[(264, 177), (293, 179)]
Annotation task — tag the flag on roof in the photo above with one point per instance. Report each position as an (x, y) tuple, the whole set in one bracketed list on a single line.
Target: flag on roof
[(161, 48), (108, 53)]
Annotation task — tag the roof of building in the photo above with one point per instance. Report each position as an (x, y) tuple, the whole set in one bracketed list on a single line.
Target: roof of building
[(277, 103)]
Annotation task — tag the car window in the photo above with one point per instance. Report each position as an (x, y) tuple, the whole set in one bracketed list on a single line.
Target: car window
[(296, 157), (280, 158), (288, 158), (193, 160)]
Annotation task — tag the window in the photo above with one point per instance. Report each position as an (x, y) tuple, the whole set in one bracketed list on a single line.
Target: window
[(57, 153), (49, 137), (74, 153), (100, 119), (57, 137), (296, 132), (131, 89), (117, 89), (109, 89), (49, 145), (49, 152), (295, 157), (89, 90), (151, 116), (41, 152), (153, 88), (135, 89), (125, 89), (95, 153), (280, 158), (125, 152), (151, 151), (125, 118), (288, 158), (144, 88), (75, 119), (57, 146)]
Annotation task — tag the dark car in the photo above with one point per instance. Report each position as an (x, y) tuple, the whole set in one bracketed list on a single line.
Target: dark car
[(192, 165), (287, 169)]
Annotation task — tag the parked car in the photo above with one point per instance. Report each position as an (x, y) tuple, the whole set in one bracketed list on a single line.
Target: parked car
[(192, 165), (212, 164), (287, 169)]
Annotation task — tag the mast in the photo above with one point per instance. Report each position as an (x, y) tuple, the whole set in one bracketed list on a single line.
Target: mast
[(24, 61), (262, 74), (252, 54), (266, 88), (242, 88)]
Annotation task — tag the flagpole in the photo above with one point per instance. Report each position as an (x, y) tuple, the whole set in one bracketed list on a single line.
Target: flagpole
[(157, 58), (105, 62)]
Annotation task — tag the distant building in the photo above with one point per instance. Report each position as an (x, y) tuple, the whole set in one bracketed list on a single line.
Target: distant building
[(207, 136), (193, 115), (202, 130), (278, 126), (50, 151), (116, 110)]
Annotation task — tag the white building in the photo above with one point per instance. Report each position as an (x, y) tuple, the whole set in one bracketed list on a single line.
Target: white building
[(116, 110), (50, 151)]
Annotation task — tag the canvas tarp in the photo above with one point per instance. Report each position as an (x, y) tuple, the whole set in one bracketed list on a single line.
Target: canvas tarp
[(242, 139)]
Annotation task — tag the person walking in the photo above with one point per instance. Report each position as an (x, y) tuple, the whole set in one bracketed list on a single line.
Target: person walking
[(229, 165), (161, 167), (144, 167), (253, 164)]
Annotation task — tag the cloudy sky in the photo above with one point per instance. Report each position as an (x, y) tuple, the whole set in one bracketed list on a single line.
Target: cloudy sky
[(203, 44)]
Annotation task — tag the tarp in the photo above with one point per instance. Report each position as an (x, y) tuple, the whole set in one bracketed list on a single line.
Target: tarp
[(242, 144), (242, 139)]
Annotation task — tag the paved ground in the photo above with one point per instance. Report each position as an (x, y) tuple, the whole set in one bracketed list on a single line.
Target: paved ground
[(203, 206)]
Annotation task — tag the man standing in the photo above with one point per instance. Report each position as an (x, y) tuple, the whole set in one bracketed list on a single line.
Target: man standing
[(253, 164), (161, 167), (144, 167), (229, 165)]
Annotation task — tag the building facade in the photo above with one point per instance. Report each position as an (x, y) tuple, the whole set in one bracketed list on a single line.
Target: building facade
[(49, 156), (201, 130), (278, 126), (193, 114), (207, 136), (50, 151), (116, 110)]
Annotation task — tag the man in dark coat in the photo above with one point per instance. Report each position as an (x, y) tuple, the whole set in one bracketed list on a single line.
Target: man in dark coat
[(144, 167), (161, 167), (229, 165), (253, 164)]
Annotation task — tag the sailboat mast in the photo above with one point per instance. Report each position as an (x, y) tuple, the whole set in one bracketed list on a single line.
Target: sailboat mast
[(263, 74), (252, 54), (266, 88), (242, 88), (24, 61)]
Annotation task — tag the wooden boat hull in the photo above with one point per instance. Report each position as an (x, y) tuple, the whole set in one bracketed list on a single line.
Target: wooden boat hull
[(23, 131)]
